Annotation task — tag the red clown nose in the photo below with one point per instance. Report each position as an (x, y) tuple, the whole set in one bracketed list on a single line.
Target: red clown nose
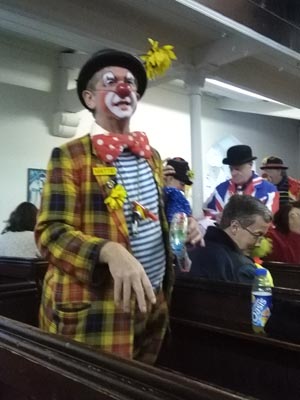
[(123, 90)]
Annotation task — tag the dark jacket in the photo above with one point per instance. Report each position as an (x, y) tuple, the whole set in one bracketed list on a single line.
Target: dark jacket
[(220, 259)]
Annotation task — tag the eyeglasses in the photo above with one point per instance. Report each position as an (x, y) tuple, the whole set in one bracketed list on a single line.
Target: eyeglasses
[(258, 236)]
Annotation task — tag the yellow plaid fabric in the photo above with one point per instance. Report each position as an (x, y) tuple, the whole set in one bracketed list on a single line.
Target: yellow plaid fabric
[(149, 330), (73, 222)]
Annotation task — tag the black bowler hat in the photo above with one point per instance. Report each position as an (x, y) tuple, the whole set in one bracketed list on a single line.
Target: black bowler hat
[(182, 170), (111, 58), (273, 163), (238, 155)]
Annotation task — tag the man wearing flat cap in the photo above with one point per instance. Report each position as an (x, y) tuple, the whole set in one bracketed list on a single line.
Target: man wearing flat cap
[(276, 172), (243, 181), (102, 224)]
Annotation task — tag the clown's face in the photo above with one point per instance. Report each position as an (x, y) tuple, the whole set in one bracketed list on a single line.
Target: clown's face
[(113, 92)]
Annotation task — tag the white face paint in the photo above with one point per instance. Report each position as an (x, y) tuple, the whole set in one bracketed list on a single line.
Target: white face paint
[(120, 107), (108, 78)]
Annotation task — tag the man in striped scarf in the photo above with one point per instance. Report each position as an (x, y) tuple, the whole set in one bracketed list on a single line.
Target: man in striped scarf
[(276, 172)]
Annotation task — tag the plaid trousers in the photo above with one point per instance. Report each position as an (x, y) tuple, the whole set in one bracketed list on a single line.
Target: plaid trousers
[(150, 329)]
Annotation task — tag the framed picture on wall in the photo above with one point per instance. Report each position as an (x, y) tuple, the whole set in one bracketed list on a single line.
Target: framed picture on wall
[(35, 183)]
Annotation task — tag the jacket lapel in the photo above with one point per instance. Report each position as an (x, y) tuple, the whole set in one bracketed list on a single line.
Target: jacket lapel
[(156, 169)]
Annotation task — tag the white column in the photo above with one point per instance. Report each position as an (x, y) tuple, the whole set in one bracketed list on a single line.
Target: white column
[(195, 100)]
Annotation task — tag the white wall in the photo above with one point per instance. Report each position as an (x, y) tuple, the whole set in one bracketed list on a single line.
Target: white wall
[(266, 135), (26, 120), (25, 116), (164, 116)]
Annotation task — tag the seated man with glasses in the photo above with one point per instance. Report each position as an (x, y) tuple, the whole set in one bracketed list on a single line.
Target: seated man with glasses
[(226, 255)]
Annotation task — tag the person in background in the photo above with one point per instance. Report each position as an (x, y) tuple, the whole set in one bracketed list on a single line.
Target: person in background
[(225, 257), (275, 171), (177, 175), (285, 234), (243, 181), (17, 238), (102, 225)]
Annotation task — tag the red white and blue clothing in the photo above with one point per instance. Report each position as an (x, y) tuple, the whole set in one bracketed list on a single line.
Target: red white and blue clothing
[(256, 187)]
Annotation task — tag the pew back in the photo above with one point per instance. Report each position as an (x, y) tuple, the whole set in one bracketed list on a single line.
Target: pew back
[(256, 366), (40, 366), (211, 339), (21, 281), (22, 269), (284, 275), (219, 303), (20, 301)]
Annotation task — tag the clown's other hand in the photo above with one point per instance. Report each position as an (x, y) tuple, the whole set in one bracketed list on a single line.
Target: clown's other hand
[(194, 235)]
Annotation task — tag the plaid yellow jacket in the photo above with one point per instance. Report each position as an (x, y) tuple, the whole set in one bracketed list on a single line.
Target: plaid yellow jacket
[(72, 224)]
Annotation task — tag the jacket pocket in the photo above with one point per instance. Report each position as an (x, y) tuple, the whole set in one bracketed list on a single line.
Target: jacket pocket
[(71, 319)]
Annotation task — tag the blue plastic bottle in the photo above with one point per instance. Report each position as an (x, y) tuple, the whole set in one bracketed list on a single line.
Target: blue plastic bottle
[(178, 233), (178, 236), (261, 301)]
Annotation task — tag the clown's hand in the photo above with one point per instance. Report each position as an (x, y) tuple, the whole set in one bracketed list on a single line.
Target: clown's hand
[(195, 236), (129, 277)]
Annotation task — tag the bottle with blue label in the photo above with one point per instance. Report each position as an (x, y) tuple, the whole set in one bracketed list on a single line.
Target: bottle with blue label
[(261, 301)]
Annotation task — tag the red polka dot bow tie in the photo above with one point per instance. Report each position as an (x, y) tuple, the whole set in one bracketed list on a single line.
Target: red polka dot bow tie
[(109, 147)]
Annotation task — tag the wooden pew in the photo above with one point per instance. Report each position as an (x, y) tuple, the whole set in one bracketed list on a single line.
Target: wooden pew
[(284, 274), (13, 269), (197, 349), (36, 365), (212, 302), (210, 324), (256, 366), (21, 281), (20, 301), (211, 339), (219, 303)]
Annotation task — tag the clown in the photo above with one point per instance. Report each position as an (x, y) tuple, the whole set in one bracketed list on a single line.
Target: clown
[(102, 225)]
